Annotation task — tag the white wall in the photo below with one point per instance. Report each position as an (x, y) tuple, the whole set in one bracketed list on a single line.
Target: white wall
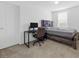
[(73, 17), (32, 13), (9, 25)]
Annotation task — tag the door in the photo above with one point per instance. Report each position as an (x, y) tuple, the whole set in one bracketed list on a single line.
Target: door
[(8, 25)]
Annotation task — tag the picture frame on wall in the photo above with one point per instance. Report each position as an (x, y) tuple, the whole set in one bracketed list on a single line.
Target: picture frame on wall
[(46, 23)]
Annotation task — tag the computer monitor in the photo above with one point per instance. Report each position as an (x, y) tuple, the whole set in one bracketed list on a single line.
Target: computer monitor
[(33, 25)]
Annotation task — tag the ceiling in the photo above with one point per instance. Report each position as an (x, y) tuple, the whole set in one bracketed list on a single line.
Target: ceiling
[(46, 4)]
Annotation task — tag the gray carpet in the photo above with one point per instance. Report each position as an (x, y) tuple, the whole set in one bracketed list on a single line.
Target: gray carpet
[(50, 49)]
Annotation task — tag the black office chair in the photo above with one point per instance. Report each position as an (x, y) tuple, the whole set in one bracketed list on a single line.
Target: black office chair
[(40, 34)]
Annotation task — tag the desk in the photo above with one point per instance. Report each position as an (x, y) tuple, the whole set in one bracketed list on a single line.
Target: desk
[(28, 43)]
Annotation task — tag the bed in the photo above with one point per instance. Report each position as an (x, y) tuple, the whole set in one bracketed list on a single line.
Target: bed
[(67, 34)]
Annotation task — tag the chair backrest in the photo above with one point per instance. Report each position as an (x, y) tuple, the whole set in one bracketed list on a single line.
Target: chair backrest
[(40, 32)]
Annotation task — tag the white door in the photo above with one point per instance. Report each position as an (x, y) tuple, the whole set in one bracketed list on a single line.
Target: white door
[(8, 25)]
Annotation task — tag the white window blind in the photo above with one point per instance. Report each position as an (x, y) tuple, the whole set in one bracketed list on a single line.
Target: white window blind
[(62, 20)]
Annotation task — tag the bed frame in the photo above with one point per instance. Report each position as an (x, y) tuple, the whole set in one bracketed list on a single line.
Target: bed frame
[(72, 40)]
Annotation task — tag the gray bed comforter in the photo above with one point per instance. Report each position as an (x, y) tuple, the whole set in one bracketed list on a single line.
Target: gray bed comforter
[(68, 33)]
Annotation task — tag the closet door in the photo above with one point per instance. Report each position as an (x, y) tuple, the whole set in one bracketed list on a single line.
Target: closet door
[(8, 26)]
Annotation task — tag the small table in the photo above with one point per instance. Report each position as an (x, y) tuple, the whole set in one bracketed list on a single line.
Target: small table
[(28, 43)]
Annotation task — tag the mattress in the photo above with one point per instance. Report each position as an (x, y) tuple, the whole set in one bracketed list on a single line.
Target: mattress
[(67, 33)]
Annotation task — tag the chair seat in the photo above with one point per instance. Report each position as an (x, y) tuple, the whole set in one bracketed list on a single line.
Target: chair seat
[(39, 35)]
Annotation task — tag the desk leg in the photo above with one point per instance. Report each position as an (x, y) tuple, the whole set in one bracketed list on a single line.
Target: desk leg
[(28, 41), (24, 37)]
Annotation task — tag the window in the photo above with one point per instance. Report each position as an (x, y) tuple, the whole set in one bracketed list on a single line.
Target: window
[(62, 20)]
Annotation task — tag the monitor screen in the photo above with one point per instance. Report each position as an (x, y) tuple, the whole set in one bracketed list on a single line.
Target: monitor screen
[(33, 25)]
